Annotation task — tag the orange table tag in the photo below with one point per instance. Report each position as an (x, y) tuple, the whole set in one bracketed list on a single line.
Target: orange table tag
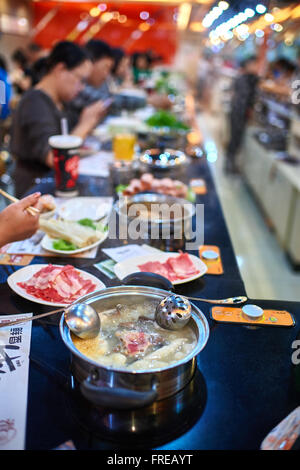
[(214, 266), (236, 315), (15, 260), (198, 186)]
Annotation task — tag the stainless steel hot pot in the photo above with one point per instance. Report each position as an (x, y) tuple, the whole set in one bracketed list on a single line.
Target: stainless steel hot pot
[(163, 159), (172, 232), (120, 389), (163, 136)]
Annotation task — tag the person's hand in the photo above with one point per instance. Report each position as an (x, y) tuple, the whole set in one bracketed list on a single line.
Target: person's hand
[(93, 113), (160, 101), (90, 116), (16, 223)]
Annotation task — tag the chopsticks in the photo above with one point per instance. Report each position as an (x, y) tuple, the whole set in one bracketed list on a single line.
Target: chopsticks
[(32, 210)]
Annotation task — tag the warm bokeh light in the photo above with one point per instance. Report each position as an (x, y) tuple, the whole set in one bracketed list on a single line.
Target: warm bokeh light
[(95, 12), (184, 15)]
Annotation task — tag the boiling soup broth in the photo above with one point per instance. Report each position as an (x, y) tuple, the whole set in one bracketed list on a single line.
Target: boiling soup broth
[(131, 339)]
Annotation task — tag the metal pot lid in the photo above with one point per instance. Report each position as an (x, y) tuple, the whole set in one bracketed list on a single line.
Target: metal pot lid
[(115, 295), (163, 158)]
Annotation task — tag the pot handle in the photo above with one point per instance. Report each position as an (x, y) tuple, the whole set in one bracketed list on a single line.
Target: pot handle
[(117, 398), (148, 279)]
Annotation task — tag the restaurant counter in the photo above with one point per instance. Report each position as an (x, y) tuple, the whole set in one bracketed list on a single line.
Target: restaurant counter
[(245, 383), (276, 188)]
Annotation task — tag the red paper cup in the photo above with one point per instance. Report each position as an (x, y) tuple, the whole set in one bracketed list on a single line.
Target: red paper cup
[(66, 163)]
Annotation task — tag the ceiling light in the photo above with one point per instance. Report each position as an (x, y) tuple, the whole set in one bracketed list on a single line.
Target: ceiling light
[(227, 35), (260, 8), (144, 27), (144, 15), (249, 12), (259, 33), (106, 17), (242, 28), (22, 21), (82, 25), (102, 6), (95, 12), (268, 17), (223, 5)]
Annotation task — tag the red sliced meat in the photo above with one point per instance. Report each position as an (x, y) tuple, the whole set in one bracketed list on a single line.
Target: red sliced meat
[(155, 267), (62, 284), (134, 342), (146, 181), (174, 269), (183, 266)]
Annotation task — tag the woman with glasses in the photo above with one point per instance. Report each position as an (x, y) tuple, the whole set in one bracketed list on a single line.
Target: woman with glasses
[(41, 109)]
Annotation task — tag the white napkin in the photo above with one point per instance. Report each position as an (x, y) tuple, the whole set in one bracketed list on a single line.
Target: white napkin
[(124, 252), (14, 367), (96, 165)]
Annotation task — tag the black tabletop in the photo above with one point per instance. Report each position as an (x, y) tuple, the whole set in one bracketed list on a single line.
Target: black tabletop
[(245, 383)]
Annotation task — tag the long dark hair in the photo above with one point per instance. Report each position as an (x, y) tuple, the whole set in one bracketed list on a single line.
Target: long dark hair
[(118, 55), (3, 65), (20, 58), (137, 55)]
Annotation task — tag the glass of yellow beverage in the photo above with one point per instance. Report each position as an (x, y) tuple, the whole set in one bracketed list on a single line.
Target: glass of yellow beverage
[(124, 146)]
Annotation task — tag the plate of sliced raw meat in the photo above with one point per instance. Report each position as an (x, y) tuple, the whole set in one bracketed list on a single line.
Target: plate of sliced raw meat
[(52, 284), (177, 267)]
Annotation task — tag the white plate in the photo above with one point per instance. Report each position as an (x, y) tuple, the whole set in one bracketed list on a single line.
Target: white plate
[(47, 244), (84, 208), (130, 265), (132, 92), (24, 274)]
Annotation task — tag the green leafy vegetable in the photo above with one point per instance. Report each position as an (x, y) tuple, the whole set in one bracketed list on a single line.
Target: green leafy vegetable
[(64, 245), (87, 223), (165, 119), (120, 188), (191, 195), (162, 86)]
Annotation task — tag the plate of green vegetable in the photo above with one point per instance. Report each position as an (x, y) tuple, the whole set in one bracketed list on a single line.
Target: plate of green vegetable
[(165, 119), (68, 247)]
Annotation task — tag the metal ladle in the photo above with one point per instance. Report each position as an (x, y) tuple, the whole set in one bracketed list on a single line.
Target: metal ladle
[(82, 319), (174, 312)]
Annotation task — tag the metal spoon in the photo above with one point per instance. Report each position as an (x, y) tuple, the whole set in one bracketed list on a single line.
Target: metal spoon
[(82, 319), (174, 311), (240, 299)]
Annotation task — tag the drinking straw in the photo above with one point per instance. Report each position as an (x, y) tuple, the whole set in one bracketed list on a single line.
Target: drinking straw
[(64, 126)]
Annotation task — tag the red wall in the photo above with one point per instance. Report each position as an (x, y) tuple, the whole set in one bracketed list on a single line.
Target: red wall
[(161, 37)]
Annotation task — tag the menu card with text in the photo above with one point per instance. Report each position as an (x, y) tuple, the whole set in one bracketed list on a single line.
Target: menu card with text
[(14, 367)]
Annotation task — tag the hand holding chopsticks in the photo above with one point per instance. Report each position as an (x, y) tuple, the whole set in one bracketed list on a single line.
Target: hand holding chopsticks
[(20, 220), (32, 210)]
